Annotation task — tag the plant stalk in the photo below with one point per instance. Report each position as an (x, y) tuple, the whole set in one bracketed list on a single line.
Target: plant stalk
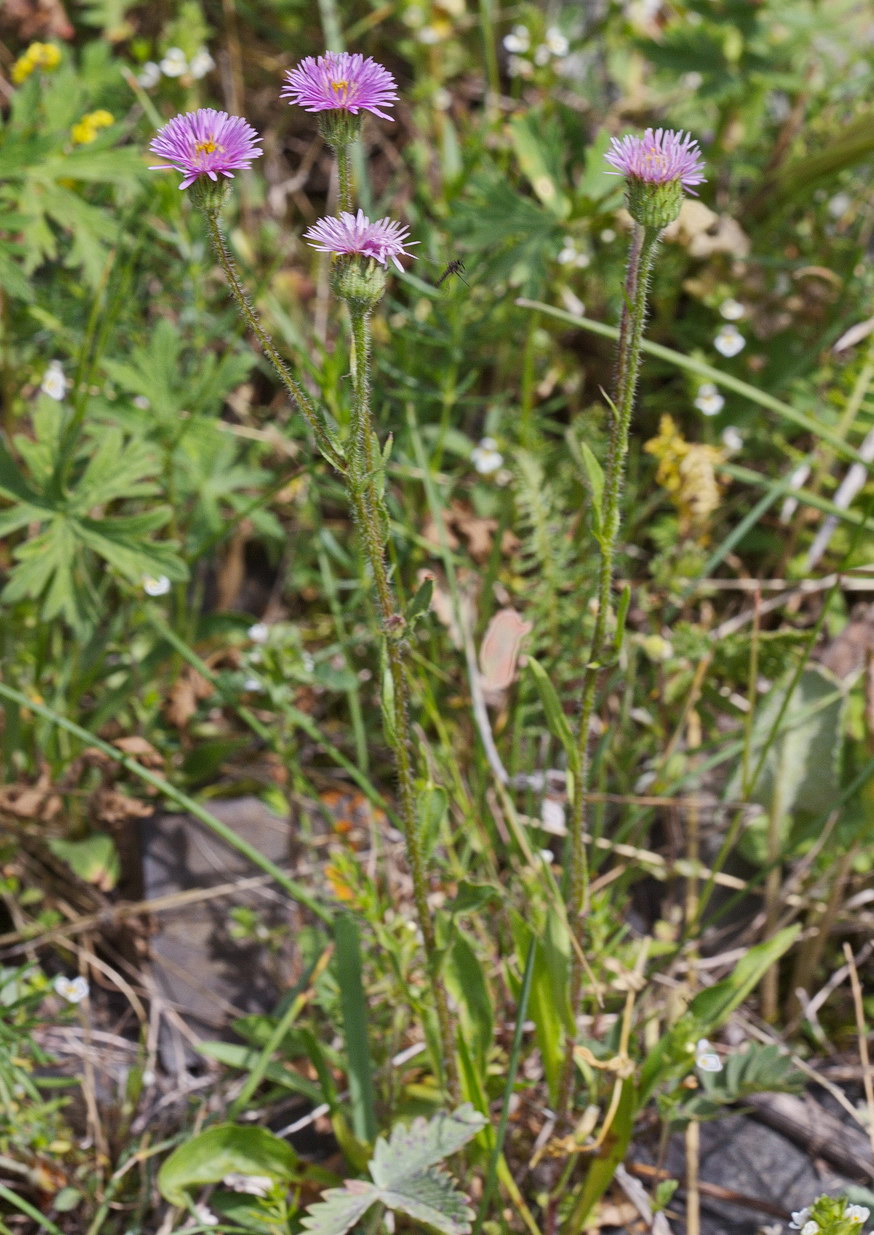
[(299, 398), (642, 253), (364, 485)]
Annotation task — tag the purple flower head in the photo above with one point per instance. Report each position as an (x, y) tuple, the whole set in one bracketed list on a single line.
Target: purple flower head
[(383, 240), (341, 81), (661, 156), (205, 143)]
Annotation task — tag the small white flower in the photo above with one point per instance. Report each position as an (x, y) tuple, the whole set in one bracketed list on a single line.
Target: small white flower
[(608, 235), (486, 457), (253, 1185), (810, 1228), (706, 1058), (201, 63), (259, 633), (709, 400), (253, 684), (856, 1213), (74, 990), (441, 99), (149, 75), (54, 383), (153, 586), (556, 41), (141, 402), (839, 205), (517, 66), (518, 40), (732, 438), (429, 35), (799, 1217), (729, 341), (542, 55), (205, 1216), (732, 310), (174, 62)]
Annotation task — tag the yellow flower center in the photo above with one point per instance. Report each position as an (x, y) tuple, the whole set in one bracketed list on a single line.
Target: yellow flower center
[(341, 89), (207, 147)]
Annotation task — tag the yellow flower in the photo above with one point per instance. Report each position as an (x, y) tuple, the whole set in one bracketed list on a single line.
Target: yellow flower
[(89, 126), (687, 470), (44, 56)]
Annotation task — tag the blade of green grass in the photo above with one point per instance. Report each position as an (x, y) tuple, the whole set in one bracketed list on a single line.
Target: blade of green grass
[(355, 1021)]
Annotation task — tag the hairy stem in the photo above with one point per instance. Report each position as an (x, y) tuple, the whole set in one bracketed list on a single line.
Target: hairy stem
[(364, 485), (643, 247), (299, 398), (344, 175)]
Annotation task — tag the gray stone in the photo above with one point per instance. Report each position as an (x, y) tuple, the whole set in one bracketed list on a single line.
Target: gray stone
[(198, 968)]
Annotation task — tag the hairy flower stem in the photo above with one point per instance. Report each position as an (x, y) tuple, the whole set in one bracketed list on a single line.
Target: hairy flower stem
[(299, 398), (364, 484), (643, 248), (344, 175)]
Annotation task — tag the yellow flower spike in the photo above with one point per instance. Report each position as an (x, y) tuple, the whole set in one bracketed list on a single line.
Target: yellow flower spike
[(687, 471), (86, 130)]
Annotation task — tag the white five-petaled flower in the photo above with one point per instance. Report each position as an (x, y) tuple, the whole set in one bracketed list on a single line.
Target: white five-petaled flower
[(486, 457), (54, 383), (709, 400), (259, 632), (857, 1213), (706, 1058), (159, 586), (799, 1217), (201, 63), (74, 990), (732, 438), (732, 310), (729, 341), (174, 62), (518, 40), (810, 1228), (149, 75)]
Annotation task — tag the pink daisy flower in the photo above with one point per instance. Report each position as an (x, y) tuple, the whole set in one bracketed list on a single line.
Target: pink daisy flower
[(383, 240), (341, 81), (205, 143), (659, 157)]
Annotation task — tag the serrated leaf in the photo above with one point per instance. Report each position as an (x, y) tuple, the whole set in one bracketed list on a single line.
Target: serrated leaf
[(430, 1197), (412, 1148), (340, 1208)]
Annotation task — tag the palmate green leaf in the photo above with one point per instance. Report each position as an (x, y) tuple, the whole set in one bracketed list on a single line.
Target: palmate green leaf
[(118, 468), (430, 1197), (406, 1178), (118, 542), (414, 1147), (45, 568), (340, 1208)]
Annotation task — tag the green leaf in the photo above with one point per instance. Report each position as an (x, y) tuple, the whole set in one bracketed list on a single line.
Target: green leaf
[(466, 980), (340, 1208), (94, 858), (421, 601), (799, 763), (621, 615), (558, 723), (431, 807), (431, 1198), (414, 1147), (225, 1150), (594, 477), (353, 1001)]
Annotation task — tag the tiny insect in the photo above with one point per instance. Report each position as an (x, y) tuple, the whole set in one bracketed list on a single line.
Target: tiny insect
[(455, 267)]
